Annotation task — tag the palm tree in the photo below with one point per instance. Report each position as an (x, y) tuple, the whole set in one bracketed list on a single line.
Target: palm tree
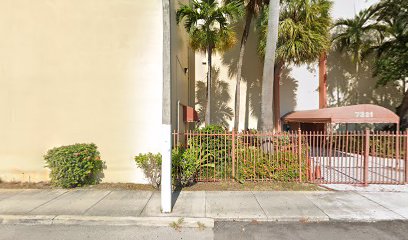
[(252, 8), (270, 34), (209, 27), (323, 80), (303, 36), (356, 37), (392, 53)]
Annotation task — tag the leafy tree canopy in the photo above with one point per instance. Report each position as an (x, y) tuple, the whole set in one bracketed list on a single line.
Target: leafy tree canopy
[(392, 53), (209, 24), (303, 30)]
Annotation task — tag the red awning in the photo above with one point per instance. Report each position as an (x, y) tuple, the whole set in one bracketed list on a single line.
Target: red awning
[(363, 113)]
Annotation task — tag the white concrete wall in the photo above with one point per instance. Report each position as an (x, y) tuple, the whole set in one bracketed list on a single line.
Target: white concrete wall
[(79, 71)]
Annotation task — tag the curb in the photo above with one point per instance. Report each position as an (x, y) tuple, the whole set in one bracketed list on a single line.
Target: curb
[(277, 219), (105, 220)]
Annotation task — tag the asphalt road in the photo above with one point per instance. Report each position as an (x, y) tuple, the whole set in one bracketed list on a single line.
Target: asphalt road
[(76, 232), (222, 230), (312, 231)]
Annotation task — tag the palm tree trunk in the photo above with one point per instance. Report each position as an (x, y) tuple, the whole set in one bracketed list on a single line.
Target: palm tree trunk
[(402, 111), (208, 107), (356, 83), (248, 19), (276, 97), (266, 123), (323, 80)]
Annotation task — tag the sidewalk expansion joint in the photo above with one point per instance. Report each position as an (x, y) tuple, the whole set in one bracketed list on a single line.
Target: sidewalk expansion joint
[(93, 205), (147, 202), (371, 200), (317, 206), (47, 201), (259, 205)]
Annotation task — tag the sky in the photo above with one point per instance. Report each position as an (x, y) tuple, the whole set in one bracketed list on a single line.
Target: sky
[(348, 8)]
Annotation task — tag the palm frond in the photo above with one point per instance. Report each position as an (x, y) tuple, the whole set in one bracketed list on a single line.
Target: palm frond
[(209, 24), (303, 30)]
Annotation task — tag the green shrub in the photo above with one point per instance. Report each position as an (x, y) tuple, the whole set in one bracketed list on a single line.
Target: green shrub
[(210, 151), (280, 165), (186, 163), (184, 169), (184, 166), (151, 165), (74, 165)]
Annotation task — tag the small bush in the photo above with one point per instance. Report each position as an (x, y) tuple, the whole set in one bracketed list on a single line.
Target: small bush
[(205, 152), (74, 165), (151, 165), (185, 166)]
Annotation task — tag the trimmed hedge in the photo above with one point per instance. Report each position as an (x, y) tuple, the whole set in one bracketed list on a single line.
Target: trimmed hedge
[(75, 165)]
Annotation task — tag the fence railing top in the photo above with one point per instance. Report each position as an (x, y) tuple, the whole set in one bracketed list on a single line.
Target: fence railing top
[(290, 133)]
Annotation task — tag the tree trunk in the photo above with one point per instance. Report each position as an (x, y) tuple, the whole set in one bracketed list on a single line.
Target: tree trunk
[(249, 15), (276, 97), (402, 111), (356, 83), (208, 107), (266, 121), (323, 80)]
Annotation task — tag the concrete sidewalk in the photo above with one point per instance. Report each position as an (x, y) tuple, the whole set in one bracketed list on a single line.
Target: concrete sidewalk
[(143, 207)]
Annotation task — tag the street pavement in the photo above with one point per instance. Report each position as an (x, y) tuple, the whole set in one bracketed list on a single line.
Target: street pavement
[(125, 214), (127, 207), (102, 232), (389, 230)]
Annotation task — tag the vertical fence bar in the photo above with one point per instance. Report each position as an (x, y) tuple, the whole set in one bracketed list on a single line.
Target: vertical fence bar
[(300, 153), (396, 158), (348, 158), (366, 154), (233, 154), (406, 156)]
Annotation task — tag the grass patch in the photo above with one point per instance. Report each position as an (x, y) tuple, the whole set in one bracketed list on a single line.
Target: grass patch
[(177, 224), (201, 226), (253, 186)]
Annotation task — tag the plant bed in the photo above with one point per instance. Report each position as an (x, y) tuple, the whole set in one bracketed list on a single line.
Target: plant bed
[(253, 186), (26, 185), (101, 186), (200, 186), (122, 186)]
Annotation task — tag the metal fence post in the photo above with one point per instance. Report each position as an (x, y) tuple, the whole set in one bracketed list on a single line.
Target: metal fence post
[(233, 154), (406, 155), (300, 153), (366, 154)]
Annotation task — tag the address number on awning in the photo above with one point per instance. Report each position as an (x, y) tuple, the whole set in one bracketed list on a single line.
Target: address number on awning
[(364, 114)]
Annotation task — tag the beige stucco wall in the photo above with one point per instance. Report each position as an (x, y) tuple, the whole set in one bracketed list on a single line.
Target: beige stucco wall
[(182, 65), (299, 84), (75, 71)]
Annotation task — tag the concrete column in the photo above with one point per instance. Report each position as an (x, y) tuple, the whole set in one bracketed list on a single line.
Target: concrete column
[(166, 113)]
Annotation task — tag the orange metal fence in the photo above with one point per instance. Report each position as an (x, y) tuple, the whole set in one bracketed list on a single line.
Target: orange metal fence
[(360, 157)]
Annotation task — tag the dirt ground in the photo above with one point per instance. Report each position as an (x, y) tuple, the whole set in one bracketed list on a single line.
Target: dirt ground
[(201, 186)]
